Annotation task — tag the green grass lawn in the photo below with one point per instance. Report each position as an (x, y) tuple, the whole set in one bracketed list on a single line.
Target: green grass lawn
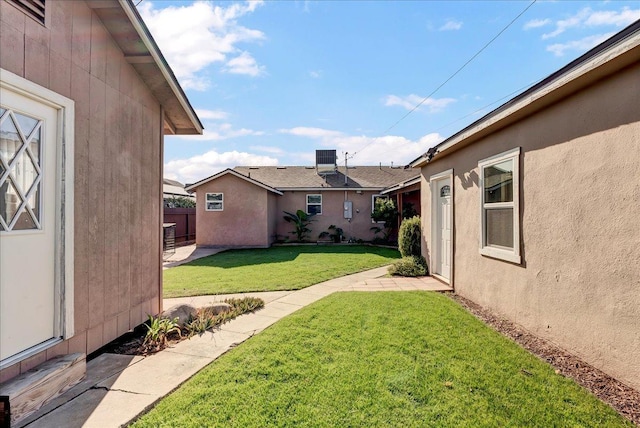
[(270, 269), (400, 359)]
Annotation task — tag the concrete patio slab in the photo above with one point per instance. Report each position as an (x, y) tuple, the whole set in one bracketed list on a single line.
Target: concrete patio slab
[(210, 344), (301, 298), (98, 369), (278, 310), (249, 324), (187, 254), (157, 374), (97, 408), (202, 301)]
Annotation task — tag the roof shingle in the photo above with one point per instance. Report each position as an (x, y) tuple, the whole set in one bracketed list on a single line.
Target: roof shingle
[(295, 177)]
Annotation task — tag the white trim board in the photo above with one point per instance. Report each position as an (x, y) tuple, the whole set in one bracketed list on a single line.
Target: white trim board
[(64, 266)]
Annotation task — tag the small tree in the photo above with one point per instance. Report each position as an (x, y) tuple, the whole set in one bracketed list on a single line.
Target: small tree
[(300, 221), (409, 237), (179, 202), (385, 210)]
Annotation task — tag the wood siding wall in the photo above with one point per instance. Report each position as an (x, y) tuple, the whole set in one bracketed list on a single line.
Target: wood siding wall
[(118, 168)]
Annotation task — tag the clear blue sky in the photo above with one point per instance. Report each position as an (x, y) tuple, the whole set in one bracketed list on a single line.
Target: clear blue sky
[(274, 81)]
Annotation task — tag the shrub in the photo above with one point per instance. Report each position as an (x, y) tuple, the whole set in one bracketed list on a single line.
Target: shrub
[(300, 220), (158, 332), (206, 319), (410, 266), (409, 237), (335, 233), (385, 210)]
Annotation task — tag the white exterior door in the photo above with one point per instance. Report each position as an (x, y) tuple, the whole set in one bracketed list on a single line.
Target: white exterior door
[(442, 228), (28, 178)]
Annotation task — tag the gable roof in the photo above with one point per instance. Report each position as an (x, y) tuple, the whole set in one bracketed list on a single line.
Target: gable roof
[(193, 186), (124, 23), (615, 53), (306, 177)]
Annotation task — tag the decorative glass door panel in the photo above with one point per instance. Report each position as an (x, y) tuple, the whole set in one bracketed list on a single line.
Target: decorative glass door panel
[(20, 171)]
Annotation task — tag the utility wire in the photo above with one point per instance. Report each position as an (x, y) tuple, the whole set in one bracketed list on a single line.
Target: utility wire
[(452, 76), (522, 88), (488, 105)]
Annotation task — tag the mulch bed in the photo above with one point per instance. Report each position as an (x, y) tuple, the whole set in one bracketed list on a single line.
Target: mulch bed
[(622, 398), (130, 344)]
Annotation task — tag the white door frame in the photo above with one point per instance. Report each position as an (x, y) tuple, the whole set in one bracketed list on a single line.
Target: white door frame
[(435, 245), (64, 218)]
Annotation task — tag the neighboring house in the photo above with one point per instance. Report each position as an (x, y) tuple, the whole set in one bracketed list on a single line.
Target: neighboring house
[(244, 206), (177, 214), (406, 195), (85, 98), (172, 189), (533, 211)]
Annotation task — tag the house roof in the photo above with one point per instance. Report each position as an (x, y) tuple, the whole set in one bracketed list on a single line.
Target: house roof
[(306, 178), (615, 53), (194, 186), (401, 185), (174, 188), (125, 25)]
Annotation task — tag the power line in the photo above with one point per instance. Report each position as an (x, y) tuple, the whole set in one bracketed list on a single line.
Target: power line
[(452, 76)]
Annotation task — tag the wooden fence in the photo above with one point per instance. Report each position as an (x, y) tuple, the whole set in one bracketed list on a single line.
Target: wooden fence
[(185, 220)]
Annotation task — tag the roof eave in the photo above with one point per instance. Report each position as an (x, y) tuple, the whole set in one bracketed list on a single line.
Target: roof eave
[(608, 57), (192, 187), (141, 51)]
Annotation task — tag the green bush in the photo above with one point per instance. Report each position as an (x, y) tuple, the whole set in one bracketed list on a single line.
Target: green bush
[(410, 266), (409, 237)]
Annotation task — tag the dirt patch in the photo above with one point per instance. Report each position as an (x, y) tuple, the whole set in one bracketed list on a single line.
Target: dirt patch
[(622, 398)]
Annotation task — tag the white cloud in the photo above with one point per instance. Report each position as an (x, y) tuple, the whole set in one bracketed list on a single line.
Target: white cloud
[(434, 105), (195, 36), (244, 64), (565, 24), (451, 25), (219, 132), (589, 18), (315, 74), (302, 131), (368, 150), (584, 44), (268, 149), (212, 114), (608, 17), (202, 166), (536, 23)]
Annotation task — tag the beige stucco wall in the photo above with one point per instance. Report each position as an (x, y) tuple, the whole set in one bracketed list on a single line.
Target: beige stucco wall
[(579, 281), (272, 203), (243, 222), (118, 164), (332, 213)]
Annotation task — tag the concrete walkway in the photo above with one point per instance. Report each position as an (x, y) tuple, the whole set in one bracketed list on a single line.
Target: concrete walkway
[(118, 387), (188, 253)]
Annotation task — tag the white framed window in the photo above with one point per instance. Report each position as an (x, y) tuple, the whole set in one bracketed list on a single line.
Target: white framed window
[(499, 206), (314, 204), (374, 198), (214, 202)]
